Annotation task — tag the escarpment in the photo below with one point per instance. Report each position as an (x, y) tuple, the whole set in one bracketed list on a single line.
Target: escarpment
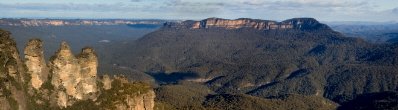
[(295, 23), (67, 81)]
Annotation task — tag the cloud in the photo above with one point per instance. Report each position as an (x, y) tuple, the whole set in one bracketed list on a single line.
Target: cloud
[(193, 9), (200, 9), (68, 7), (395, 10), (303, 4)]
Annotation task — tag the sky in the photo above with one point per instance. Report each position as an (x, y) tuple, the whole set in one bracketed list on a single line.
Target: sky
[(323, 10)]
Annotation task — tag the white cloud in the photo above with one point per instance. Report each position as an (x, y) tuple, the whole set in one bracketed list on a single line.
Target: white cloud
[(336, 10)]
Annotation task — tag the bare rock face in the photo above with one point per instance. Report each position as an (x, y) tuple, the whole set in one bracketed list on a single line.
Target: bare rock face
[(76, 75), (132, 98), (107, 82), (65, 74), (35, 63), (295, 23), (88, 62), (65, 71), (73, 81), (235, 24), (11, 74), (62, 100), (140, 102)]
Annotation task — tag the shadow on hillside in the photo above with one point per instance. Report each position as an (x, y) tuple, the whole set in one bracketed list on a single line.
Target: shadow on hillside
[(172, 78), (373, 101)]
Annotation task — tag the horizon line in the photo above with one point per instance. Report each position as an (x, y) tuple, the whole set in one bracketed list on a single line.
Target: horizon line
[(86, 18)]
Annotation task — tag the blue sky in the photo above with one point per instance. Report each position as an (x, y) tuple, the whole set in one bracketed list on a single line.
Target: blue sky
[(324, 10)]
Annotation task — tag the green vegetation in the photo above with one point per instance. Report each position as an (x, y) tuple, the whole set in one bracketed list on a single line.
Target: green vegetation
[(182, 96), (197, 97), (109, 99), (240, 69), (119, 92), (245, 102), (16, 92), (267, 63)]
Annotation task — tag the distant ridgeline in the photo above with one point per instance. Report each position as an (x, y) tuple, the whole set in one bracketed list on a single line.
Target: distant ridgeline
[(266, 58), (66, 82), (295, 23), (74, 22)]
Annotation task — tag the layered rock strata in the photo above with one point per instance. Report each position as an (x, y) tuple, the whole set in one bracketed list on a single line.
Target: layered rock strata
[(35, 63), (66, 82), (295, 23)]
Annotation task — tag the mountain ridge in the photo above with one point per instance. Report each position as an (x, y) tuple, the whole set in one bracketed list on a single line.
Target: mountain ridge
[(311, 60), (294, 23), (74, 22)]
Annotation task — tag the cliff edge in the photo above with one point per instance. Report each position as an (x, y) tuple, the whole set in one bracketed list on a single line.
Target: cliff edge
[(67, 81), (294, 23)]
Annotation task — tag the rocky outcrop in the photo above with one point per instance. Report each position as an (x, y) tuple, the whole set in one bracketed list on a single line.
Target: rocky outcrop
[(35, 63), (65, 71), (12, 75), (76, 76), (67, 81), (107, 82), (295, 23), (141, 102), (88, 62)]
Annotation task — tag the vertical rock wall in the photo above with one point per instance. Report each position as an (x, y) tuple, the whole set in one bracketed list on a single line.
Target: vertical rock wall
[(66, 80), (87, 60), (65, 71), (35, 63)]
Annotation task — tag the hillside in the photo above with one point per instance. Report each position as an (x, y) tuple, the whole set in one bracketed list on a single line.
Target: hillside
[(264, 58), (198, 97)]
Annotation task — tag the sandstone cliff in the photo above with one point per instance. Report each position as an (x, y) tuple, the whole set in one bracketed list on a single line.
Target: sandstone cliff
[(66, 74), (12, 75), (295, 23), (35, 63), (72, 22), (66, 82)]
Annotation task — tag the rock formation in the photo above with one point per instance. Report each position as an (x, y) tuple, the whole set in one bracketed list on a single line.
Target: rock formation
[(35, 63), (107, 82), (87, 60), (295, 23), (140, 102), (66, 82), (65, 71), (12, 74)]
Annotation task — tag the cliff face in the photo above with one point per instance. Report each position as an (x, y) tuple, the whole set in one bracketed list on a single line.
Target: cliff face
[(71, 22), (66, 81), (87, 60), (136, 101), (65, 71), (35, 63), (140, 102), (12, 75), (295, 23)]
